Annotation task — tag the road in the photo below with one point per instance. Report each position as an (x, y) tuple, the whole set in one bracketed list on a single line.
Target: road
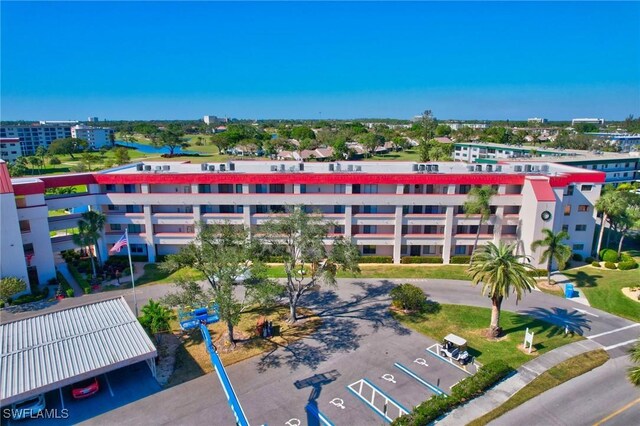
[(585, 400)]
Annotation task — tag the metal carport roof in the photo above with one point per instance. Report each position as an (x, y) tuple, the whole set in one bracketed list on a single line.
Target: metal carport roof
[(46, 352)]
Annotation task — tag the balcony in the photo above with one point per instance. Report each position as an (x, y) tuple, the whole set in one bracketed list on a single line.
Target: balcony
[(66, 221), (62, 242), (423, 219), (373, 239), (469, 239), (232, 218), (373, 219), (172, 218)]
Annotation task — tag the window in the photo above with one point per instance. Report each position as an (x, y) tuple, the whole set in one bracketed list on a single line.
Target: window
[(369, 229), (24, 226), (225, 188), (111, 207), (583, 208), (578, 247), (586, 188), (371, 189), (338, 229), (565, 228), (261, 188), (129, 188), (567, 210), (226, 209), (368, 249), (338, 209), (27, 248), (116, 227), (204, 189), (370, 209), (276, 188), (581, 227), (341, 189), (303, 188), (569, 190), (464, 189), (429, 249), (111, 188), (460, 250), (238, 188), (134, 229)]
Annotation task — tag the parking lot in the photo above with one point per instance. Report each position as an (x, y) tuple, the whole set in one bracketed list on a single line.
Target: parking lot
[(117, 388)]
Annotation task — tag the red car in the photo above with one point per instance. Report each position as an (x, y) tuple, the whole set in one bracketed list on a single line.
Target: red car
[(85, 388)]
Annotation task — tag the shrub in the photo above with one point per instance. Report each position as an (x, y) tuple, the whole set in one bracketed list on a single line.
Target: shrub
[(421, 259), (33, 297), (609, 265), (460, 260), (577, 257), (624, 256), (595, 263), (626, 265), (408, 297), (589, 259), (80, 279), (375, 259), (609, 255), (10, 286), (70, 292), (54, 161), (537, 273), (467, 389)]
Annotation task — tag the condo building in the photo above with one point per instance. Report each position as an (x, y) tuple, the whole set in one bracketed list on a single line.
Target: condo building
[(393, 209)]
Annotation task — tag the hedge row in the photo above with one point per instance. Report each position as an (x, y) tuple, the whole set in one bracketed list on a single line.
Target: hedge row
[(421, 259), (80, 279), (64, 284), (37, 295), (467, 389), (375, 259), (460, 260), (626, 265)]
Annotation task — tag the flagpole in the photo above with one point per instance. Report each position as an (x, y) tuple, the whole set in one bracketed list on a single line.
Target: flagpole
[(133, 282)]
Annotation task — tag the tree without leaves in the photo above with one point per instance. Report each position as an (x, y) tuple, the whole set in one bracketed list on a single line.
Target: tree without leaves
[(501, 273), (222, 252), (479, 203), (555, 250), (299, 238), (10, 286)]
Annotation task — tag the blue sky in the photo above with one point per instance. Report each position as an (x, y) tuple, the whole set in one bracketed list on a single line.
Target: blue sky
[(70, 60)]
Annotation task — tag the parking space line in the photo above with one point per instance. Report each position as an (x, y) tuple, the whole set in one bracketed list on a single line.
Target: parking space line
[(315, 412), (410, 373), (617, 345), (377, 391), (445, 359), (108, 384)]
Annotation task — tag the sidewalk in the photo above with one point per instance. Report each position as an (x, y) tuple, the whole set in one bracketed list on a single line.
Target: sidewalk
[(563, 280), (64, 270), (139, 271), (525, 375)]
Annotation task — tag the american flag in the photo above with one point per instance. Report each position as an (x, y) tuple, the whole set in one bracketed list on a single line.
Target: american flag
[(121, 243)]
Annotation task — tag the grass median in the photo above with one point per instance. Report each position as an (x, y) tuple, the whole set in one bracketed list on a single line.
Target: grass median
[(563, 372), (470, 323)]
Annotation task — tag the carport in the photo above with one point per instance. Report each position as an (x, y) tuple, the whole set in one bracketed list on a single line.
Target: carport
[(49, 351)]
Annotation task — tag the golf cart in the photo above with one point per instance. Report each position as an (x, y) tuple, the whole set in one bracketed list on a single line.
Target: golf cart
[(455, 347)]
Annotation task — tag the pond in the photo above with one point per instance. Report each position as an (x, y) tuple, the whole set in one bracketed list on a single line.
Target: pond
[(148, 149)]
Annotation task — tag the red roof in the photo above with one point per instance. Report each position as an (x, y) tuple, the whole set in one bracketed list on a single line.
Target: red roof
[(5, 179), (542, 190)]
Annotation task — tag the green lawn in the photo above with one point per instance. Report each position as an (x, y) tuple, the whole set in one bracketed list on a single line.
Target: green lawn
[(471, 322), (602, 287), (565, 371), (154, 275), (407, 155)]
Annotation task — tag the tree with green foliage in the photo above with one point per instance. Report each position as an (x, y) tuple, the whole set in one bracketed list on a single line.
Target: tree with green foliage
[(89, 159), (501, 272), (156, 318), (465, 134), (634, 371), (67, 146), (627, 219), (298, 238), (41, 152), (371, 141), (423, 151), (586, 127), (555, 250), (227, 257), (171, 138), (610, 204), (121, 156), (10, 286), (90, 226), (479, 203), (443, 130), (428, 123), (302, 132)]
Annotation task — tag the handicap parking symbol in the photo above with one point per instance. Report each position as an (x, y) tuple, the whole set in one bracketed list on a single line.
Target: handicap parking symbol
[(389, 378), (293, 422), (421, 361), (338, 402)]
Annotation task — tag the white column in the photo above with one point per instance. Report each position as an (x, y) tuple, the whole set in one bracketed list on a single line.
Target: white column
[(448, 229), (148, 226)]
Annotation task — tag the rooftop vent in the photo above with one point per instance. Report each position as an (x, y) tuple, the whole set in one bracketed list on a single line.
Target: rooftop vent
[(282, 167), (544, 168), (332, 167), (204, 167), (517, 168), (274, 168), (222, 167), (422, 167), (158, 168), (527, 168), (435, 168), (489, 168), (139, 167), (166, 168), (358, 168), (338, 167), (470, 167), (478, 167), (211, 168), (350, 167), (498, 168), (301, 166), (231, 166), (147, 168), (415, 167)]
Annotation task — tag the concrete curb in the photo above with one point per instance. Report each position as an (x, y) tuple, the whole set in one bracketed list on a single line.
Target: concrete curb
[(525, 375)]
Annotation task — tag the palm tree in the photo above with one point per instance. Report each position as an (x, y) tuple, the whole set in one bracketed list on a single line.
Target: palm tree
[(610, 203), (155, 317), (634, 372), (479, 203), (90, 228), (501, 272), (555, 249), (84, 239)]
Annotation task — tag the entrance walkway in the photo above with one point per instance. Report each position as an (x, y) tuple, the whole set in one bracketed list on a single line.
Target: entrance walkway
[(578, 294), (64, 270)]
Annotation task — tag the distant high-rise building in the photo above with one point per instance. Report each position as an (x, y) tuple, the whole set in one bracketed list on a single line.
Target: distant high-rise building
[(92, 119), (537, 120), (210, 119), (10, 149), (32, 136), (96, 136)]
